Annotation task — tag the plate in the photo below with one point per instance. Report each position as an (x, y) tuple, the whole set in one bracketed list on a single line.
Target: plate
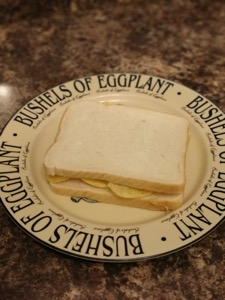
[(102, 232)]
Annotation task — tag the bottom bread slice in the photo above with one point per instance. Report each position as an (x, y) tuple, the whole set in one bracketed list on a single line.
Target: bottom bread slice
[(154, 201)]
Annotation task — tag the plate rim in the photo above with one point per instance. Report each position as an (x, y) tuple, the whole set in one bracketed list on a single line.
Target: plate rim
[(91, 258)]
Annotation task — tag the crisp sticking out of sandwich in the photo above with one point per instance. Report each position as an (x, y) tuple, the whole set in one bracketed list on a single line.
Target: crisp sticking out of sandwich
[(120, 155)]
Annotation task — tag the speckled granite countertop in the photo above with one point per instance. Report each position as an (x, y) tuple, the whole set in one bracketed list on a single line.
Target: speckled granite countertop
[(44, 43)]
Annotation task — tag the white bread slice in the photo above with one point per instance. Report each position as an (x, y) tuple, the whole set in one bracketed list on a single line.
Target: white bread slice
[(154, 201), (125, 145)]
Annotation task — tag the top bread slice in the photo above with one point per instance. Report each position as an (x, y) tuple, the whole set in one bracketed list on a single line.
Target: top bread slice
[(126, 145)]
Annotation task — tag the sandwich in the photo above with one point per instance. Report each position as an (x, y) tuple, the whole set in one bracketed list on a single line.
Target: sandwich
[(120, 155)]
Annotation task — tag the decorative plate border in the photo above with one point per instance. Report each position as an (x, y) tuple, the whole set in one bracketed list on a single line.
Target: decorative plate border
[(23, 188)]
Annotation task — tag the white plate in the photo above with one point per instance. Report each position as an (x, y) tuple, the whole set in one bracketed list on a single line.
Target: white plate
[(106, 232)]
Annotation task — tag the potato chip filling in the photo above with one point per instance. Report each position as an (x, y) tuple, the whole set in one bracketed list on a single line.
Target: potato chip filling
[(118, 189)]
